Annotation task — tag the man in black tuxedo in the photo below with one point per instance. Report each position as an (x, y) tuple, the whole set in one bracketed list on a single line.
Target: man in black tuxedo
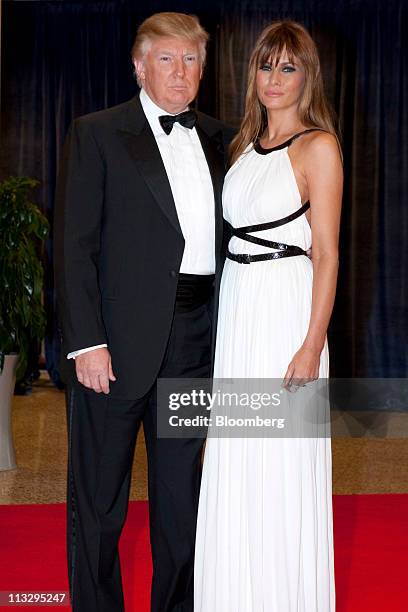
[(138, 236)]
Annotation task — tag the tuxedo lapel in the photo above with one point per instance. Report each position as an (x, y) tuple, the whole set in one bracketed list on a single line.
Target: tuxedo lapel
[(142, 147)]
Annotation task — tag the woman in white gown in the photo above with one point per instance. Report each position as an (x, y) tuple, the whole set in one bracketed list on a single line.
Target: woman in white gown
[(264, 534)]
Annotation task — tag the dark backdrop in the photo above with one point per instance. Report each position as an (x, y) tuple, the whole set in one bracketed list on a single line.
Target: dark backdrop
[(63, 59)]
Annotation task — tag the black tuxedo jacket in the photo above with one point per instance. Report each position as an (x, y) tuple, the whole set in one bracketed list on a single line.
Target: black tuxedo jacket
[(118, 242)]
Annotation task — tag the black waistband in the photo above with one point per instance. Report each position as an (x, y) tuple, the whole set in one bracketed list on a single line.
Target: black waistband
[(193, 290), (197, 279)]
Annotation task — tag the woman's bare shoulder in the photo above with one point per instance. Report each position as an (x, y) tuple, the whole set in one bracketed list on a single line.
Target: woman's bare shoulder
[(320, 143)]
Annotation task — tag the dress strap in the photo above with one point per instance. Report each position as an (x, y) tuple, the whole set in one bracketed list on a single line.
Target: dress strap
[(271, 244), (283, 250), (316, 129), (271, 224)]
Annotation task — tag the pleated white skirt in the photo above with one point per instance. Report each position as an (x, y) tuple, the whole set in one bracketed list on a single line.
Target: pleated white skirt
[(264, 534)]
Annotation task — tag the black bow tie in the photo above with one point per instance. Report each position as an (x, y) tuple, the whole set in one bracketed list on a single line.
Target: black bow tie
[(187, 119)]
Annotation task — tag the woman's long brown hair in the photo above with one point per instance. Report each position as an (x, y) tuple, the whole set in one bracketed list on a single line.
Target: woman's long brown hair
[(314, 109)]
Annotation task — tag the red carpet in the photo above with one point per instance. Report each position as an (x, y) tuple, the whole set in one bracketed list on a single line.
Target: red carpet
[(371, 552)]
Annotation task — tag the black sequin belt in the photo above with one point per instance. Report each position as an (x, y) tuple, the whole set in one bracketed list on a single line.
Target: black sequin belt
[(283, 250)]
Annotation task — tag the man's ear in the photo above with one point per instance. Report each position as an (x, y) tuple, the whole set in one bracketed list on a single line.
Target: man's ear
[(139, 69)]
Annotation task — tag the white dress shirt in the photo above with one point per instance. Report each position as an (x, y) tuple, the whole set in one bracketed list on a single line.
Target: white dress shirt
[(192, 189)]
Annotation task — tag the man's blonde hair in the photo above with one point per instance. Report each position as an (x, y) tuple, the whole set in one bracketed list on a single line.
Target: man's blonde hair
[(174, 25)]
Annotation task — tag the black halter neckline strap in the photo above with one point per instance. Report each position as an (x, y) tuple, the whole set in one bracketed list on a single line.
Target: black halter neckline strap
[(283, 250), (262, 151)]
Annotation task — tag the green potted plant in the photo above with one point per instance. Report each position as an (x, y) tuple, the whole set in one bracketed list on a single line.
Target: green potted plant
[(22, 317)]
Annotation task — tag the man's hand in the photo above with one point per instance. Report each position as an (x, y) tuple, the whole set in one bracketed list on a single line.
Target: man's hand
[(94, 369)]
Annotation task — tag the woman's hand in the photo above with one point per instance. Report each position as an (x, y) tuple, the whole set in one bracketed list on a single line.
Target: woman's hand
[(303, 368)]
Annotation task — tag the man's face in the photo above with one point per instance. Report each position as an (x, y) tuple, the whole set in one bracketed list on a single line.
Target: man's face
[(170, 73)]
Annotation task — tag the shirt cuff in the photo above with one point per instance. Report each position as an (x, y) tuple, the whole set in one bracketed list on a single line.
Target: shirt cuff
[(85, 350)]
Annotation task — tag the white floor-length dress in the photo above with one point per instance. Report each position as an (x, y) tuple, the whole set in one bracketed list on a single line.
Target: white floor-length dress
[(264, 533)]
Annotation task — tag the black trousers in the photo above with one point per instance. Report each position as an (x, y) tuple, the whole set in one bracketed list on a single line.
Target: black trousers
[(102, 437)]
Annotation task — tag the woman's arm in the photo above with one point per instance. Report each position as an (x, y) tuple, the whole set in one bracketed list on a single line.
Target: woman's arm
[(324, 175)]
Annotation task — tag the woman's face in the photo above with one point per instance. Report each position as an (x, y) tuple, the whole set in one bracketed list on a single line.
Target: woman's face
[(280, 87)]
